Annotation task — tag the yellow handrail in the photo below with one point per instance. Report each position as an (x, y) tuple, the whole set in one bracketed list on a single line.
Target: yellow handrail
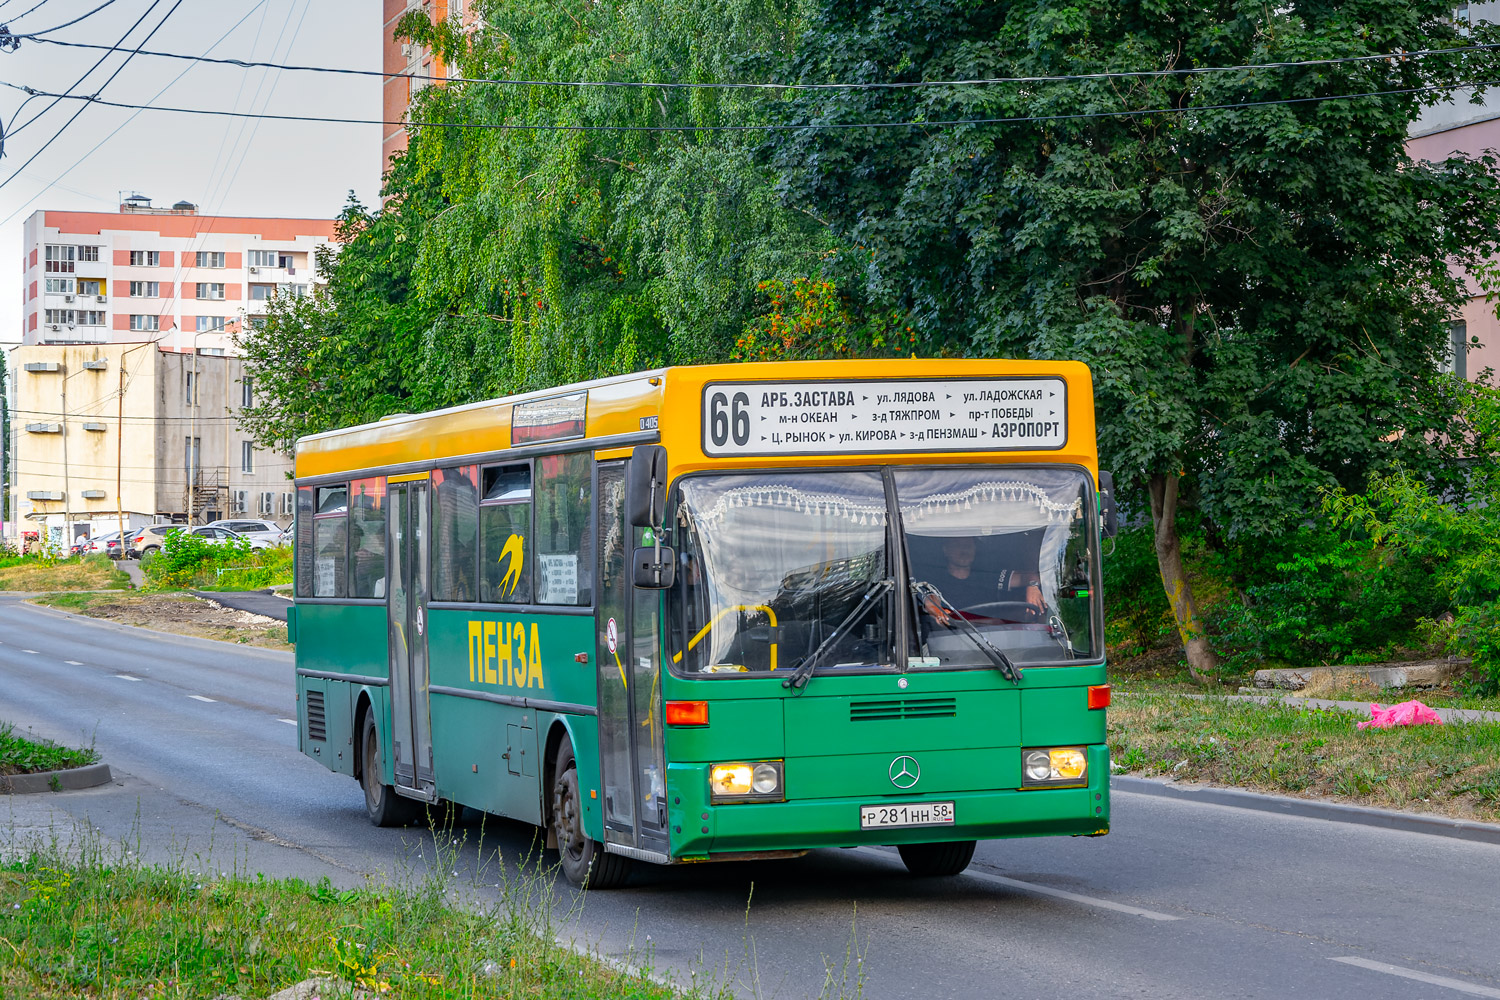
[(677, 657)]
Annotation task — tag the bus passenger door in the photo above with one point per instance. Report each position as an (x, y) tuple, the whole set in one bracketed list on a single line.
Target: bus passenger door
[(411, 721), (631, 759)]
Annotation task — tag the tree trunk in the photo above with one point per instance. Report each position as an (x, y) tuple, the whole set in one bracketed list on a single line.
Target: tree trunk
[(1202, 661)]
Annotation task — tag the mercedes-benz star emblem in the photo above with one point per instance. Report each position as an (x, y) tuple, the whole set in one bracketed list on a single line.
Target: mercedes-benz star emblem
[(905, 771)]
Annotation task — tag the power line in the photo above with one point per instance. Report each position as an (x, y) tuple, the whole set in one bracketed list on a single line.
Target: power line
[(1396, 56), (94, 97), (76, 83), (58, 27), (127, 121), (1013, 120)]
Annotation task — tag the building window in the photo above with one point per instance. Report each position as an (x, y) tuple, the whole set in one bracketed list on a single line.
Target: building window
[(210, 289), (91, 317), (247, 393), (146, 323), (255, 323), (57, 317), (209, 258), (90, 287), (144, 258), (59, 286), (145, 289), (260, 293), (191, 458), (59, 259), (210, 324), (263, 258), (1456, 361), (190, 388), (247, 456), (89, 254)]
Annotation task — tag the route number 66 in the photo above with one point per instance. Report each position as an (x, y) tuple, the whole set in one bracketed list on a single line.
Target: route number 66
[(726, 417)]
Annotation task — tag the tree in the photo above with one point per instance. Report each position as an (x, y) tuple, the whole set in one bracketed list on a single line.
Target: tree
[(1262, 290)]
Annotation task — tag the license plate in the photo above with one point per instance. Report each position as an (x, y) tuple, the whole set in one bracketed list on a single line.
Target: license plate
[(906, 814)]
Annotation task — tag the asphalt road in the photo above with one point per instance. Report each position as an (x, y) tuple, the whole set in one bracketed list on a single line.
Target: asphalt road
[(1182, 900)]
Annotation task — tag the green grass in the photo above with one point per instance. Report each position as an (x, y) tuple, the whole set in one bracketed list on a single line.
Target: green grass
[(19, 755), (97, 572), (257, 570), (114, 929), (1451, 769)]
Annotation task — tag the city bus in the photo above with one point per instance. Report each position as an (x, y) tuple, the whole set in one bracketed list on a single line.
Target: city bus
[(719, 612)]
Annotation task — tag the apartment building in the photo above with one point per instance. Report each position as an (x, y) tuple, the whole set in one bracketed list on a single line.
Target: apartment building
[(105, 433), (185, 280), (403, 57)]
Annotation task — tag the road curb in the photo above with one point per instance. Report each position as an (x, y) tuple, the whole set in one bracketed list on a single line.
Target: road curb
[(71, 780), (286, 655), (1334, 812)]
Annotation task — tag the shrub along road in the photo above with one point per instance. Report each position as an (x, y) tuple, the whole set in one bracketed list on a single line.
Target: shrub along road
[(1182, 900)]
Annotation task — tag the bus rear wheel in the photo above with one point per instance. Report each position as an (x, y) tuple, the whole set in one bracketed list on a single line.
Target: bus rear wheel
[(933, 860), (585, 862), (382, 804)]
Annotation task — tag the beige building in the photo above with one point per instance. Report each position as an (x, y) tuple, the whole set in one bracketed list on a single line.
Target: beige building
[(110, 432)]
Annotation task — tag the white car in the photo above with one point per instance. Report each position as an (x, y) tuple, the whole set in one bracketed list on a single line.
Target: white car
[(267, 531), (217, 535)]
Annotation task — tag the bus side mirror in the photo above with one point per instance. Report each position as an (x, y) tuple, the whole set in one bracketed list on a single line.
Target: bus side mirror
[(646, 486), (1107, 507), (654, 567)]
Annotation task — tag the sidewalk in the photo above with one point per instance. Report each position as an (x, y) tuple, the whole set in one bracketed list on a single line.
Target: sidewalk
[(257, 602)]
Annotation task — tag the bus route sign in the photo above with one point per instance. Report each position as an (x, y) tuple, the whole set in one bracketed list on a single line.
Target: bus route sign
[(807, 418)]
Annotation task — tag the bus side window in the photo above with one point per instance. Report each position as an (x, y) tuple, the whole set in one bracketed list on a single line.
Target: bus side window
[(564, 550), (455, 533), (504, 535), (367, 538), (330, 537), (303, 544)]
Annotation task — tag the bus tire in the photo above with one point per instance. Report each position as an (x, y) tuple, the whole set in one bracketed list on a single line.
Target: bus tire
[(585, 862), (382, 804), (933, 860)]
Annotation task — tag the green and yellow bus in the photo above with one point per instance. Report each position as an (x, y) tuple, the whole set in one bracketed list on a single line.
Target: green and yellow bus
[(718, 613)]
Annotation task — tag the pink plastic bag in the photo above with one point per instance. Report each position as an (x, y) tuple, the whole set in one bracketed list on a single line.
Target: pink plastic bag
[(1408, 713)]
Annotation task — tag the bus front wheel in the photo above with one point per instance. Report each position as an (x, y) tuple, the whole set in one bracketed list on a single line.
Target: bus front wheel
[(584, 860), (384, 806), (931, 860)]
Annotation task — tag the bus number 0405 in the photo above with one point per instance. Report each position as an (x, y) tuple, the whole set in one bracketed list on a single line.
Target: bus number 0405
[(729, 417)]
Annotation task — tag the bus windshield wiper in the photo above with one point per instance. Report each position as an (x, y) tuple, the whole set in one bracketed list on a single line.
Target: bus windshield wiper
[(1003, 663), (800, 676)]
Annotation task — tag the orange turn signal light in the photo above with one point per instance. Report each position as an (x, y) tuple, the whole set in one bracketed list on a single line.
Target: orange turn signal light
[(1099, 696), (687, 713)]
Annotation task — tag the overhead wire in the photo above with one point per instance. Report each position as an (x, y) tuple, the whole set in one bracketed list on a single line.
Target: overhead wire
[(36, 35), (1395, 56), (780, 127)]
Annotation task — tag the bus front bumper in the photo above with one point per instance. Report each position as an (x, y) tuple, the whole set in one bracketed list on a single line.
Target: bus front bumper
[(699, 830)]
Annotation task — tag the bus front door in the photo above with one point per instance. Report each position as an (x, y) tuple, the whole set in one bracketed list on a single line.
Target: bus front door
[(411, 719), (630, 742)]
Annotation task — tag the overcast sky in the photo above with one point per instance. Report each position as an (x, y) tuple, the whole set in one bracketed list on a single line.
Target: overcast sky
[(225, 166)]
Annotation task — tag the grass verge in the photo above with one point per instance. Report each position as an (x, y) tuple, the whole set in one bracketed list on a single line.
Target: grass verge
[(19, 755), (1451, 769), (83, 573), (80, 925), (175, 612)]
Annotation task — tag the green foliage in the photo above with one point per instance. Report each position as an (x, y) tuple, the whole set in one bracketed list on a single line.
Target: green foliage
[(506, 260), (188, 560), (19, 755)]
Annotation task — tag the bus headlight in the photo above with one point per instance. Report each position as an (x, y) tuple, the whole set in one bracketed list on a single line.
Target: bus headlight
[(1054, 767), (758, 781)]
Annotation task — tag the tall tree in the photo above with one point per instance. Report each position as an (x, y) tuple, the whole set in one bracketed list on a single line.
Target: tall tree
[(1258, 274)]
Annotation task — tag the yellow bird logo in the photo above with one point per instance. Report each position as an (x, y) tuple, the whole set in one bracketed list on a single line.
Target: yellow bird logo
[(512, 554)]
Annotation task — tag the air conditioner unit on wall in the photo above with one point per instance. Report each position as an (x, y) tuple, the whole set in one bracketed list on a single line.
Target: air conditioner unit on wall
[(67, 298), (254, 270), (101, 298)]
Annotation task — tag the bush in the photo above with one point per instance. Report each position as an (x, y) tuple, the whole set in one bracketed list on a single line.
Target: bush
[(186, 560)]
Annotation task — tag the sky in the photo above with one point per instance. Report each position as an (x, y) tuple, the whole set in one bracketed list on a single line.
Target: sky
[(225, 166)]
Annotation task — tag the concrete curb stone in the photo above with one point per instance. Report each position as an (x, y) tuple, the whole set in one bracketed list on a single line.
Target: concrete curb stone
[(1336, 812), (70, 780)]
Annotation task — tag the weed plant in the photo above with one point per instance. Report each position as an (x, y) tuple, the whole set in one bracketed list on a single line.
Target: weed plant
[(40, 573), (19, 755), (190, 561)]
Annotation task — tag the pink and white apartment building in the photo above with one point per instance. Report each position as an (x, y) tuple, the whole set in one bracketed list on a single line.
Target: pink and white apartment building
[(170, 275)]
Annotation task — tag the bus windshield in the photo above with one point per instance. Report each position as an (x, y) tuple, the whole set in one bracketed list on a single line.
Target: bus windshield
[(773, 565)]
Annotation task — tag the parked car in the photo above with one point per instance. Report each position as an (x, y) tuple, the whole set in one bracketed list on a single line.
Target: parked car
[(108, 545), (266, 531), (149, 539), (217, 535), (287, 535)]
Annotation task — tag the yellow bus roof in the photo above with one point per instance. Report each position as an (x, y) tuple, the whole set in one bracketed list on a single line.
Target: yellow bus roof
[(668, 402)]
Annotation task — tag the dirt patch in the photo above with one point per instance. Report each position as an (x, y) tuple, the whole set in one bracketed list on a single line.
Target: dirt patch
[(179, 613)]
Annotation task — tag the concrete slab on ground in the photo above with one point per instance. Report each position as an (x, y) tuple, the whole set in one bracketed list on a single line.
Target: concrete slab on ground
[(257, 602)]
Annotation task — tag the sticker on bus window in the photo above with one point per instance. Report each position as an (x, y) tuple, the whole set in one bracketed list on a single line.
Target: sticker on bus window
[(558, 578), (809, 418)]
